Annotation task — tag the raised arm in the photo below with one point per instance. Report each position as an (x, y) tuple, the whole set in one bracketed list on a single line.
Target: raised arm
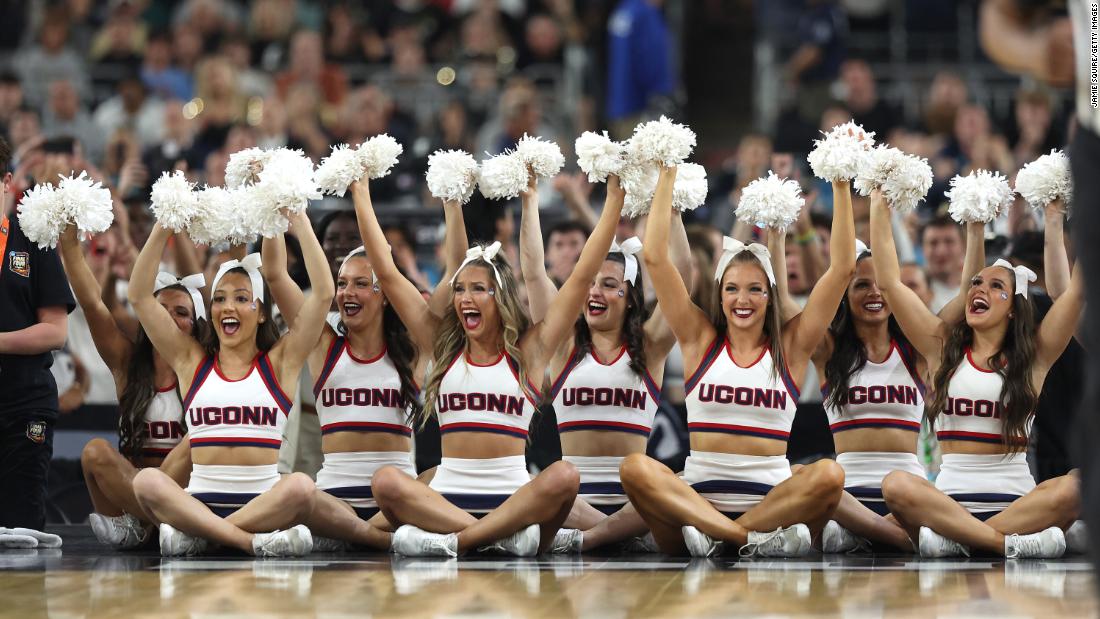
[(454, 250), (657, 330), (287, 295), (401, 293), (924, 329), (109, 340), (305, 329), (809, 327), (777, 247), (562, 313), (955, 310), (179, 349), (532, 259), (1061, 321), (691, 326), (1055, 261)]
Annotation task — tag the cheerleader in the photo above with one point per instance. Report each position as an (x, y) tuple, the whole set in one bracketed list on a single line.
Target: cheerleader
[(737, 485), (485, 350), (151, 424), (235, 407), (363, 371), (987, 372), (606, 389)]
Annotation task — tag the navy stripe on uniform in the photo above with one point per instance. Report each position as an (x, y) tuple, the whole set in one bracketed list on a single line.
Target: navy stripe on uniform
[(197, 380), (331, 357), (731, 486), (268, 376), (476, 502), (601, 487), (708, 359)]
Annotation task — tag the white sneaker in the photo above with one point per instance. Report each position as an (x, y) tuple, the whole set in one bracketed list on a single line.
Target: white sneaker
[(293, 542), (13, 540), (793, 541), (933, 545), (1047, 544), (835, 539), (122, 532), (700, 544), (41, 540), (522, 543), (176, 543), (410, 541), (567, 542), (1077, 538), (327, 544)]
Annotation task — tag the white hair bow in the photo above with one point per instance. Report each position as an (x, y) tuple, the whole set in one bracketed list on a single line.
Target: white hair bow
[(363, 251), (731, 247), (1023, 275), (629, 249), (477, 252), (192, 283), (251, 265), (861, 248)]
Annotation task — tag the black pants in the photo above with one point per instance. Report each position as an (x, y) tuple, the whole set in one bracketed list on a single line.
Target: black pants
[(1085, 157), (26, 445)]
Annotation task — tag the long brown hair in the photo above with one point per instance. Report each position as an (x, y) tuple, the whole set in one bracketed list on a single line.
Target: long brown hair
[(451, 338), (773, 325), (141, 387), (633, 322), (1013, 362)]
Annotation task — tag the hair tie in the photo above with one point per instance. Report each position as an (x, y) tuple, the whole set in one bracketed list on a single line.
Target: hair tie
[(731, 247), (251, 265), (192, 284)]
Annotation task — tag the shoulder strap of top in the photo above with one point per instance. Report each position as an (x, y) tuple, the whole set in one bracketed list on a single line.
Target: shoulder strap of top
[(331, 357), (198, 379), (708, 359)]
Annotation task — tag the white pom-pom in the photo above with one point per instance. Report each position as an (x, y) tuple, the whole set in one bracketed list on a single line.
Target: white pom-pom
[(978, 197), (40, 215), (771, 202), (690, 190), (220, 216), (1046, 179), (639, 182), (841, 153), (503, 177), (543, 157), (904, 179), (285, 184), (452, 175), (379, 154), (86, 203), (598, 156), (244, 167), (342, 167), (174, 201), (661, 141)]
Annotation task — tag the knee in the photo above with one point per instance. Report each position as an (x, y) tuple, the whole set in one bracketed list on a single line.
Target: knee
[(1065, 495), (826, 479), (899, 489), (149, 484), (95, 454), (298, 489), (562, 480), (386, 484), (636, 473)]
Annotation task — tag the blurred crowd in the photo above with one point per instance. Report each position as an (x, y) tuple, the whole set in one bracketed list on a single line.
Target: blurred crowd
[(129, 89)]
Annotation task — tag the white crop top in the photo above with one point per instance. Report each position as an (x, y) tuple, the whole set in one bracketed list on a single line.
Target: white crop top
[(249, 412), (163, 423), (882, 395), (360, 395), (750, 401), (484, 398), (591, 395), (974, 408)]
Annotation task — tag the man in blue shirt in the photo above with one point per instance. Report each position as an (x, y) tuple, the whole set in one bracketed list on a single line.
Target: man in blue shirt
[(639, 71)]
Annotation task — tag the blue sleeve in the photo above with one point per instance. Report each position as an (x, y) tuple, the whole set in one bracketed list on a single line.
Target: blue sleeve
[(650, 45)]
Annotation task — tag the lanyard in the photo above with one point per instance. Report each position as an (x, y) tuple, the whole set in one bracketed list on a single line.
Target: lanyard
[(4, 227)]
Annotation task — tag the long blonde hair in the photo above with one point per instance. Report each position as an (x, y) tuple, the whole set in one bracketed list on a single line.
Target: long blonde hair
[(451, 339)]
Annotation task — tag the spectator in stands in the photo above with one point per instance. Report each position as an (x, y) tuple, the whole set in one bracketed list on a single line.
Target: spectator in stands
[(403, 246), (749, 162), (161, 77), (974, 146), (175, 147), (251, 81), (11, 97), (1033, 132), (861, 98), (339, 235), (187, 47), (272, 130), (64, 116), (915, 279), (564, 242), (239, 137), (822, 30), (25, 125), (121, 40), (946, 95), (944, 247), (541, 54), (520, 113), (51, 61), (639, 64), (303, 127), (307, 66), (222, 103), (134, 109)]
